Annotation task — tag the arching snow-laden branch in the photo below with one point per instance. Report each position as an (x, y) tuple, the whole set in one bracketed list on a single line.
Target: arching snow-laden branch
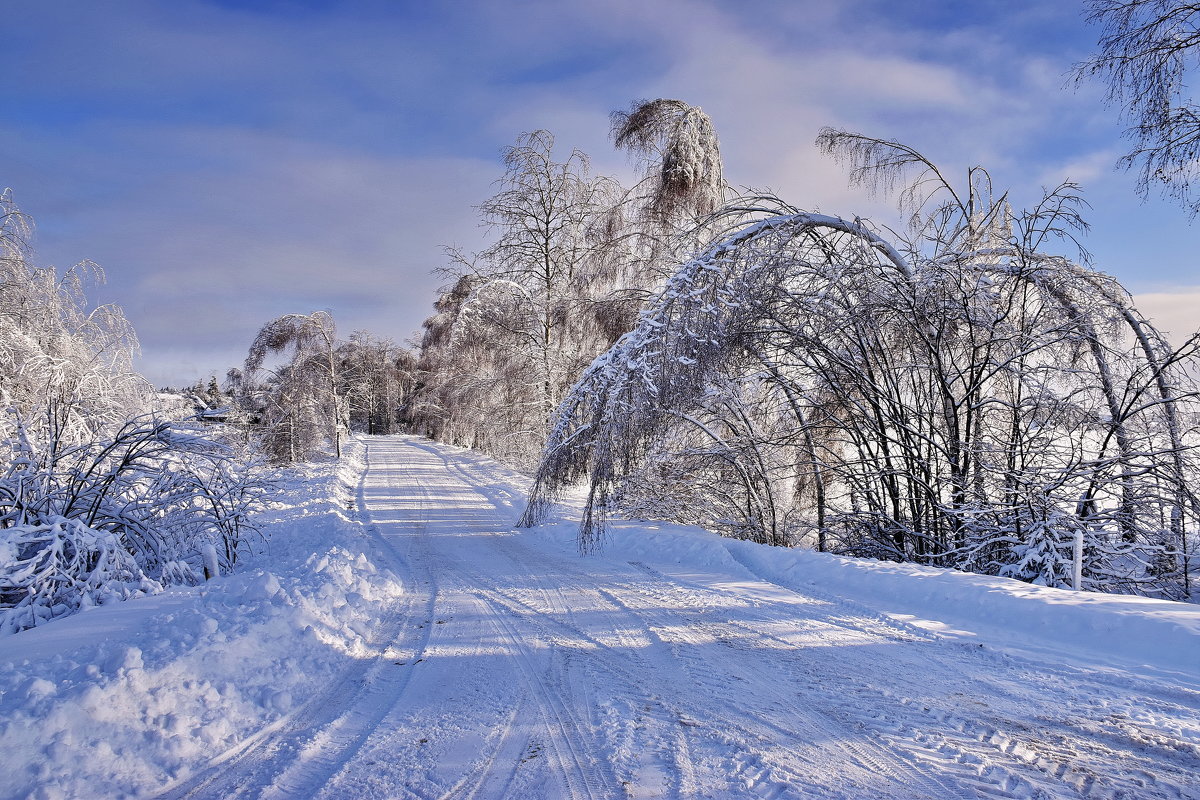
[(971, 406), (697, 325), (301, 402)]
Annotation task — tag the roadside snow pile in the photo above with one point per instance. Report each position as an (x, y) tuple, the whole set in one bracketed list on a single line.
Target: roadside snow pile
[(1137, 632), (123, 699), (1110, 628)]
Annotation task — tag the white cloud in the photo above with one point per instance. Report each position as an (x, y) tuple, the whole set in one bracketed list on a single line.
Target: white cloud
[(1176, 313), (1084, 168), (201, 258)]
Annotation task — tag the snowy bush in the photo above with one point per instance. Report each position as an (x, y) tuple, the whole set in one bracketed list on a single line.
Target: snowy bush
[(49, 570), (89, 522)]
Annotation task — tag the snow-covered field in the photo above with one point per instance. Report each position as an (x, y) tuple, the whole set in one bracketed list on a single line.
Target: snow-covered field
[(399, 639)]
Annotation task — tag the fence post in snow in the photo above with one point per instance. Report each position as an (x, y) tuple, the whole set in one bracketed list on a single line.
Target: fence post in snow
[(211, 568), (1077, 573)]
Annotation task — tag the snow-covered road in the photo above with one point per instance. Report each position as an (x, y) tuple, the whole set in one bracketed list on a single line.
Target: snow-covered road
[(513, 668)]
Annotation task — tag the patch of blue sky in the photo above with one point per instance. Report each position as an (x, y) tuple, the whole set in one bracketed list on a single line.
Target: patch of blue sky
[(231, 138)]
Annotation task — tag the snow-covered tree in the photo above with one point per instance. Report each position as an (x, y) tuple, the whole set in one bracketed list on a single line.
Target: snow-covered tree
[(121, 514), (376, 377), (662, 219), (100, 496), (434, 406), (951, 395), (519, 322), (678, 147), (574, 259), (65, 369), (300, 406)]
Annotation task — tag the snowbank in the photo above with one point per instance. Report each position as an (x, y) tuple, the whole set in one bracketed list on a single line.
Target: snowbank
[(1138, 632), (1121, 630), (1117, 629), (132, 695)]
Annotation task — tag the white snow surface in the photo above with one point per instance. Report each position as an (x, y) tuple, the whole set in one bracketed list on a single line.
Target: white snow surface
[(398, 638)]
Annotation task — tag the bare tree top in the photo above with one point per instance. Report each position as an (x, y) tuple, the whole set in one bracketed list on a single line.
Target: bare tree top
[(680, 140), (1146, 53)]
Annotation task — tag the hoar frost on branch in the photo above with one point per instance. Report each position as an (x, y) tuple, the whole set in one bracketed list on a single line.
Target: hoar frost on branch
[(520, 320), (88, 523), (299, 403), (68, 370), (960, 397), (679, 143), (376, 377), (1147, 55), (575, 257)]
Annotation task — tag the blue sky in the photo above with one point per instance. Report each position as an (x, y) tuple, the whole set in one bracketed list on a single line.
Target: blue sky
[(228, 161)]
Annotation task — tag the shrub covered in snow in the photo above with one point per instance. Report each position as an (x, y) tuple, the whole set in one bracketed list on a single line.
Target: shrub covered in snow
[(100, 520), (52, 569)]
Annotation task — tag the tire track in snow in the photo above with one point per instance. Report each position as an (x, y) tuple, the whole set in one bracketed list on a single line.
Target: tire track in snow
[(497, 767), (679, 779), (686, 710), (828, 741), (627, 682), (980, 754), (846, 714), (565, 737), (560, 740), (568, 740), (1054, 754), (779, 775), (295, 755), (484, 775), (338, 742), (516, 609), (994, 752)]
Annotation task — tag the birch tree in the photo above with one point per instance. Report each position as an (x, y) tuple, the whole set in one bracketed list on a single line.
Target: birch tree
[(376, 377), (66, 369), (662, 219), (300, 404), (678, 147), (1147, 53), (526, 325), (957, 395)]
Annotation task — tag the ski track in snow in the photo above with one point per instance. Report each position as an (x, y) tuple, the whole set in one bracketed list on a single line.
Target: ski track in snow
[(511, 667)]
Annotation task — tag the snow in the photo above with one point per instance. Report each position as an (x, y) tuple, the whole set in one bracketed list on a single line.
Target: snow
[(1158, 637), (397, 637), (125, 697)]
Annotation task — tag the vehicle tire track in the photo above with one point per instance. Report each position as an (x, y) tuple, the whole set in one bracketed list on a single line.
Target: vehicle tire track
[(984, 755), (981, 755), (622, 681), (307, 746)]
